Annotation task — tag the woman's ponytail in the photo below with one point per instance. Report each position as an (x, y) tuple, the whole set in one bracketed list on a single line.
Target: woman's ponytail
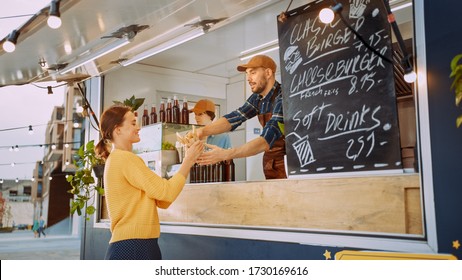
[(110, 120), (101, 149)]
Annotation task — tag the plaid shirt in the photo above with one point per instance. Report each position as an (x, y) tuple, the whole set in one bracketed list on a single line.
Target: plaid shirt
[(251, 108)]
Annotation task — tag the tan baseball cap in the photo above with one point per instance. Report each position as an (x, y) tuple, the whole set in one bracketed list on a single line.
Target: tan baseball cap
[(258, 61), (202, 106)]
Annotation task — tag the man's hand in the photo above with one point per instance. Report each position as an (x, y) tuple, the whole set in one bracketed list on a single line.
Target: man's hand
[(213, 155), (191, 136)]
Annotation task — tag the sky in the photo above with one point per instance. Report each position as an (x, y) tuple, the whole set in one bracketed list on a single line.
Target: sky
[(23, 105)]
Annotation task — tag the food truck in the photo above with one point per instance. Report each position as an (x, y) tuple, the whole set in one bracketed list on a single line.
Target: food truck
[(372, 160)]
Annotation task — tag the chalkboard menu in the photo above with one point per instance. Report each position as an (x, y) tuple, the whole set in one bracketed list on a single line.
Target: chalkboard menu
[(339, 98)]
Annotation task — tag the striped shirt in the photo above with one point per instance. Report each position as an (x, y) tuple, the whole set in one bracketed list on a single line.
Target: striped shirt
[(256, 105)]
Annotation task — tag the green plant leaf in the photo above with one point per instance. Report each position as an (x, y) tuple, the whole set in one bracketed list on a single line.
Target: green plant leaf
[(90, 210), (90, 146), (458, 97), (132, 102), (82, 182), (454, 63), (456, 74), (100, 190), (459, 121), (137, 103), (168, 146)]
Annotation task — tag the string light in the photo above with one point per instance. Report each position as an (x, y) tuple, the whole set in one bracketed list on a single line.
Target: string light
[(17, 147), (78, 109), (30, 127), (31, 162), (10, 44), (54, 20), (16, 180), (327, 15), (31, 131)]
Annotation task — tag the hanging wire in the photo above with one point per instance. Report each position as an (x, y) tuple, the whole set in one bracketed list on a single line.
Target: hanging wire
[(46, 87), (30, 162), (288, 7), (38, 145), (36, 125), (92, 113), (360, 38)]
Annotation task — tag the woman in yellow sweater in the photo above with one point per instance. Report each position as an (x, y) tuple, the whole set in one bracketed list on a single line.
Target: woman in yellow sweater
[(133, 192)]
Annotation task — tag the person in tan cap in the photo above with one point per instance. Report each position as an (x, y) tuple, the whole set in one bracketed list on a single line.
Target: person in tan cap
[(204, 112), (266, 104)]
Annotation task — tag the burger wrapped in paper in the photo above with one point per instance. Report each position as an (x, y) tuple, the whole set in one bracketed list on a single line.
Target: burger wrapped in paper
[(188, 139)]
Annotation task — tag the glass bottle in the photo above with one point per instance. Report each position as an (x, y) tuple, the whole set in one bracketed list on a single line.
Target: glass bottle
[(192, 174), (162, 112), (209, 174), (228, 171), (218, 172), (185, 112), (153, 114), (233, 170), (176, 117), (224, 175), (145, 117), (168, 112), (198, 170)]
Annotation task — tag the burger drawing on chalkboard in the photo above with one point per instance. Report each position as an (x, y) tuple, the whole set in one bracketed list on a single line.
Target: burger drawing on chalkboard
[(292, 59)]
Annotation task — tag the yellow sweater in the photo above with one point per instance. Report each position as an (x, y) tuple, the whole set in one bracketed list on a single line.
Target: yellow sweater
[(133, 192)]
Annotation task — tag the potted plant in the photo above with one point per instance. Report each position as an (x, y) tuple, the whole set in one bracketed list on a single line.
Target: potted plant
[(83, 183), (456, 74), (132, 102)]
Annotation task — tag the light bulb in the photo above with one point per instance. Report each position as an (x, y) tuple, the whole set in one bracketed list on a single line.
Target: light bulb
[(410, 77), (79, 109), (9, 46), (326, 15), (54, 22)]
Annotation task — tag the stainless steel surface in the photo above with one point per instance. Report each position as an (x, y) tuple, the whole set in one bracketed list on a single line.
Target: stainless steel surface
[(89, 26)]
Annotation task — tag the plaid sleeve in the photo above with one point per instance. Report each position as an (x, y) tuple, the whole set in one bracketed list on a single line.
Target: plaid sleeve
[(245, 112)]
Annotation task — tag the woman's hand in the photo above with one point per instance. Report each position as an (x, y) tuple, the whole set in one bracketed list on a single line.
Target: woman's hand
[(193, 151)]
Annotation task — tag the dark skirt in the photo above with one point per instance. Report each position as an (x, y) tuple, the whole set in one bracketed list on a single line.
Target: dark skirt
[(134, 249)]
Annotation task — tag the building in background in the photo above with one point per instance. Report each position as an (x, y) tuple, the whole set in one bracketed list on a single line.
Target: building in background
[(50, 188)]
